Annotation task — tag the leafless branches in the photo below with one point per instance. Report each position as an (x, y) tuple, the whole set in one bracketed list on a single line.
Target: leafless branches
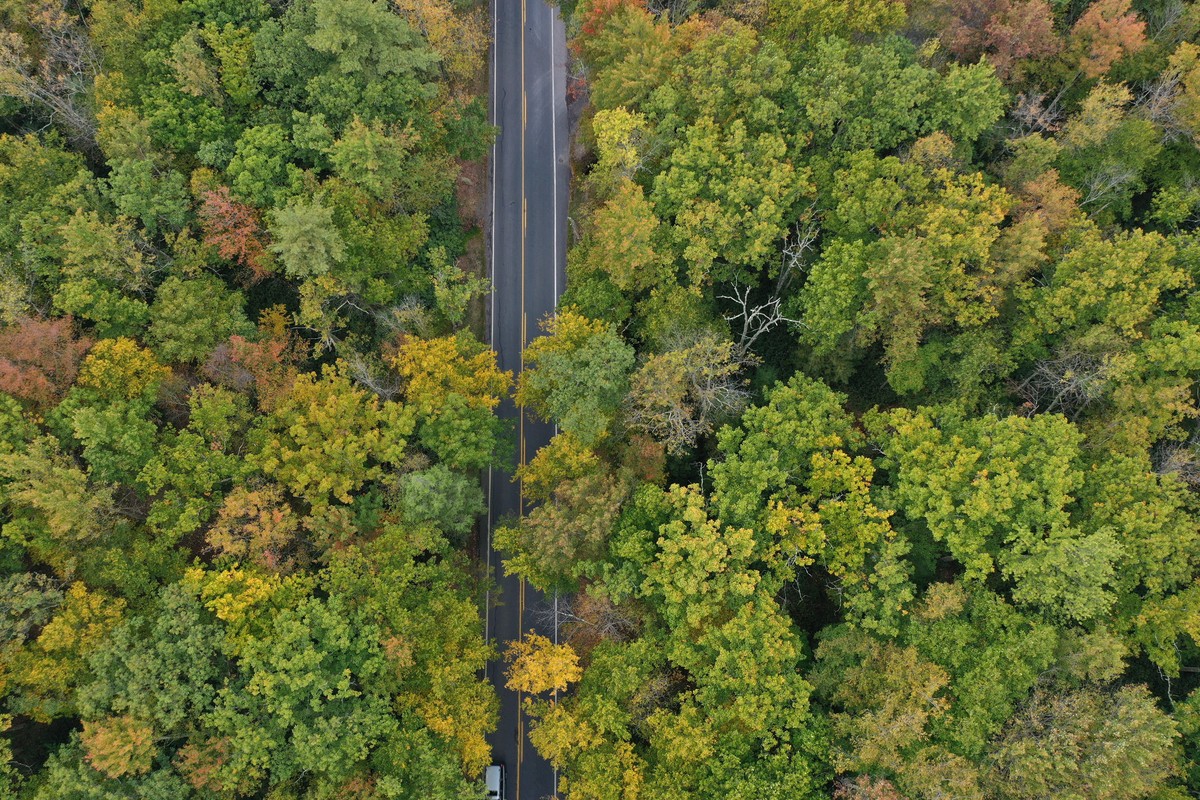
[(1102, 186), (755, 319), (371, 375), (52, 69), (683, 394), (676, 11), (1161, 102), (583, 616), (1163, 21), (1033, 115), (796, 249), (1181, 459), (1067, 384)]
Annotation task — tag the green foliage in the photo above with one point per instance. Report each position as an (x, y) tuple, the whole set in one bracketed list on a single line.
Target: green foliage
[(997, 492), (139, 188), (104, 273), (576, 375), (230, 571), (189, 318), (224, 156), (259, 167), (118, 439), (343, 57), (191, 466), (1117, 745), (326, 438), (448, 500), (881, 95), (728, 194), (799, 22), (306, 240)]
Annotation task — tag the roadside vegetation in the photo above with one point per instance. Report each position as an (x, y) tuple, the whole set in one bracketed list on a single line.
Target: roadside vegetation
[(877, 474), (878, 466), (241, 419)]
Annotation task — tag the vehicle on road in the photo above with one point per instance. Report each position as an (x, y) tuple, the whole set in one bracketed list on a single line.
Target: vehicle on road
[(493, 781)]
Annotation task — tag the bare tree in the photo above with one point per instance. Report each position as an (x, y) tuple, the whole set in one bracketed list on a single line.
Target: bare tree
[(676, 11), (1166, 22), (584, 617), (371, 374), (754, 318), (796, 250), (1162, 102), (1159, 102), (684, 393), (409, 316), (1102, 185), (1066, 384), (1181, 459), (1033, 115), (52, 67)]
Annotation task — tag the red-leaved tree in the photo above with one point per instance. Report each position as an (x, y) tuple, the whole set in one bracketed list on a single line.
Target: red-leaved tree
[(1008, 32), (1107, 32), (235, 230), (596, 12), (39, 359)]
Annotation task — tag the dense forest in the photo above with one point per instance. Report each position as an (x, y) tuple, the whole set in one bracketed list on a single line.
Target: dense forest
[(875, 375), (878, 472), (241, 416)]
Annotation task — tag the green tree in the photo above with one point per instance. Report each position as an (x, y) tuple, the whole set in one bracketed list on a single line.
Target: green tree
[(576, 375), (998, 492), (105, 275), (42, 184), (189, 318), (306, 240), (50, 499), (118, 439), (453, 385), (259, 167), (449, 500), (340, 58), (326, 437), (1106, 152), (940, 261), (880, 95), (1086, 743), (391, 166), (192, 466), (801, 22), (157, 197), (772, 447), (728, 193), (299, 707), (561, 540)]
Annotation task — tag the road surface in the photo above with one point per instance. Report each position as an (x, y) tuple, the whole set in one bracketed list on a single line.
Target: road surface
[(528, 256)]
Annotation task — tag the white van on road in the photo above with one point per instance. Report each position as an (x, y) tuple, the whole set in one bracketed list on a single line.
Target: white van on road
[(493, 780)]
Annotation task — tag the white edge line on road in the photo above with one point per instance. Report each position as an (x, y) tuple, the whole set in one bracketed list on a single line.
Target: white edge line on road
[(487, 599), (554, 144), (554, 174)]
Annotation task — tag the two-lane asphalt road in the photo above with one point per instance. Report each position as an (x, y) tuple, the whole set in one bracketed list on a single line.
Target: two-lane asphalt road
[(528, 257)]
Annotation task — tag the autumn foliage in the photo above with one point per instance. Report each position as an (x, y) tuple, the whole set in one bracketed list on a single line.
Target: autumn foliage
[(1108, 31), (235, 230), (538, 665), (597, 12), (39, 359), (119, 746), (1007, 31)]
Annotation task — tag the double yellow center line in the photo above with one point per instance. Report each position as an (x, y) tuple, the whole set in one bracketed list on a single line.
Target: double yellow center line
[(521, 434)]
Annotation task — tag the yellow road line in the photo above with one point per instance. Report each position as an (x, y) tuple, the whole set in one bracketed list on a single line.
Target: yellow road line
[(520, 488)]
